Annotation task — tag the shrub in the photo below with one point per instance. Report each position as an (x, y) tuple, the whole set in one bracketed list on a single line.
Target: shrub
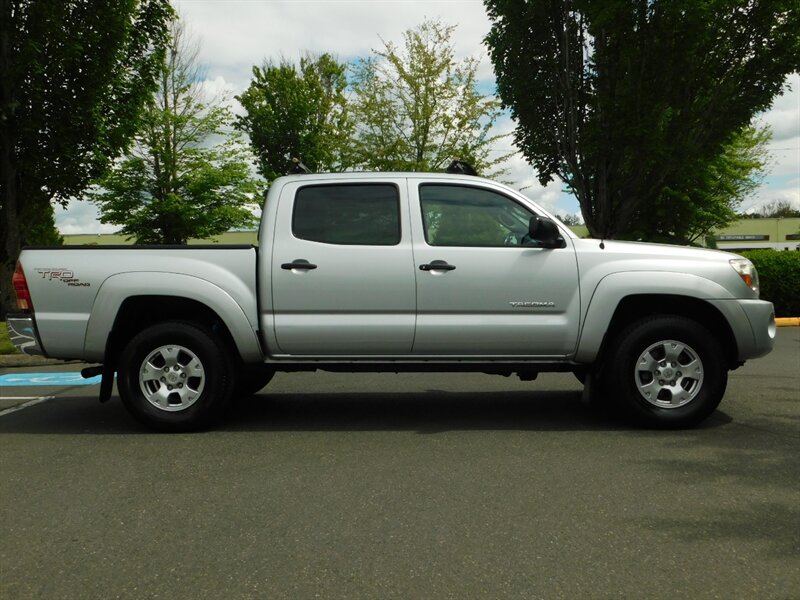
[(779, 274)]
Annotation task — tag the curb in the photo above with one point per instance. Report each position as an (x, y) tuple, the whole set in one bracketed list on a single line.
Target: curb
[(23, 360), (787, 322)]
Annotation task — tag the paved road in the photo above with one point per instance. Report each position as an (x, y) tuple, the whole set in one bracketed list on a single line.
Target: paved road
[(406, 486)]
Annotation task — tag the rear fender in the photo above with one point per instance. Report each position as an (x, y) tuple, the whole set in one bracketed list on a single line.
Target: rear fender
[(117, 288)]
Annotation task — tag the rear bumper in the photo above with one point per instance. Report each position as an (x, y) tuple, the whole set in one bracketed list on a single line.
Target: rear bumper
[(22, 333)]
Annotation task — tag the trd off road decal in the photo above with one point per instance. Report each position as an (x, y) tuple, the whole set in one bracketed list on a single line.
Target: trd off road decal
[(63, 275)]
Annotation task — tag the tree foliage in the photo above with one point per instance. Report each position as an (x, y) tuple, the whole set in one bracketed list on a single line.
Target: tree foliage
[(632, 103), (298, 112), (179, 181), (74, 75), (709, 198), (417, 108), (779, 276), (775, 209)]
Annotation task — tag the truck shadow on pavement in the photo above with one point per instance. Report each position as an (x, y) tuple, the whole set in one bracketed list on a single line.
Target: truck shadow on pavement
[(429, 412), (433, 411)]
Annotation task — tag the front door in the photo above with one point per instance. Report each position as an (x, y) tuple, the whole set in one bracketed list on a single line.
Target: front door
[(342, 274), (483, 286)]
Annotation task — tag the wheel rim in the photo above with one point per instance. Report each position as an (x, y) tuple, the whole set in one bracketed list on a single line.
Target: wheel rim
[(669, 374), (172, 378)]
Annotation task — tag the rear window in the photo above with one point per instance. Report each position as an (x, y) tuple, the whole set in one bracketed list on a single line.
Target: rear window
[(350, 214)]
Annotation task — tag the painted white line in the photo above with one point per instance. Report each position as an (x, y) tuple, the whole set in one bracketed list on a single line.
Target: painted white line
[(32, 402)]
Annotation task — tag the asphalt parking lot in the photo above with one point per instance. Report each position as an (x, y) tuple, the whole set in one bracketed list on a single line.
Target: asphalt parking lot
[(403, 486)]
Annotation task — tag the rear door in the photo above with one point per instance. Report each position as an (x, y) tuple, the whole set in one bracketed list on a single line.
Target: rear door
[(484, 287), (343, 280)]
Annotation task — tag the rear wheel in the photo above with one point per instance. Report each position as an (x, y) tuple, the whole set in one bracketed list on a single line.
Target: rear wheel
[(175, 376), (667, 371)]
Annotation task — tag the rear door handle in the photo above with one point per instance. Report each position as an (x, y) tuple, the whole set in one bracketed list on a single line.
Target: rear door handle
[(298, 264), (437, 265)]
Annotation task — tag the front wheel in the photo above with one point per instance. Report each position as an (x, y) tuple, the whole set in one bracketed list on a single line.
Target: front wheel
[(667, 371), (175, 376)]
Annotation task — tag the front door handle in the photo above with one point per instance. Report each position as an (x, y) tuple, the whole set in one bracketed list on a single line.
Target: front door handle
[(298, 264), (437, 265)]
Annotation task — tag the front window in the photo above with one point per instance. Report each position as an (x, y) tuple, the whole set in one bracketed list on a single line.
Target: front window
[(456, 215)]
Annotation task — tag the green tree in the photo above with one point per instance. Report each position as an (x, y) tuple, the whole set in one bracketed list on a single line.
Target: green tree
[(570, 220), (74, 75), (777, 209), (40, 227), (628, 100), (417, 108), (709, 198), (178, 181), (300, 113)]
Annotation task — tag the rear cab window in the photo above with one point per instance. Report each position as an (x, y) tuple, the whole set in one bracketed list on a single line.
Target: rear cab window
[(365, 214)]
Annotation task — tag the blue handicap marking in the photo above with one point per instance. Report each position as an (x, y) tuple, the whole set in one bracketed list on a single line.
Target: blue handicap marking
[(59, 379)]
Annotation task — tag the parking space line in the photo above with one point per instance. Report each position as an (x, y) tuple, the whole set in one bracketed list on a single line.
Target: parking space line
[(55, 378), (34, 400)]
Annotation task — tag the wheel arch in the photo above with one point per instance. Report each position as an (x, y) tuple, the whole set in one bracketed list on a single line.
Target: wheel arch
[(638, 306), (121, 310), (139, 312)]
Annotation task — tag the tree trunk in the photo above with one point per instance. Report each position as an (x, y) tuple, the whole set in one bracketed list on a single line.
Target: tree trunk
[(9, 227), (9, 201)]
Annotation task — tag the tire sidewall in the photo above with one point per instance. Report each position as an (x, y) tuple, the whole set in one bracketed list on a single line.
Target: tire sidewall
[(640, 336), (217, 367)]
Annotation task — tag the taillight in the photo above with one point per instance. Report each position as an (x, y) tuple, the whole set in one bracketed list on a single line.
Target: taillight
[(24, 302)]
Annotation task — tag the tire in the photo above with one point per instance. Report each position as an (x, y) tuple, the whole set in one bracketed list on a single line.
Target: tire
[(251, 379), (176, 376), (666, 371)]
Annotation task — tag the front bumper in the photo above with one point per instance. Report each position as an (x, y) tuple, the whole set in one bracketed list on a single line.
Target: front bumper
[(761, 315), (22, 333), (752, 323)]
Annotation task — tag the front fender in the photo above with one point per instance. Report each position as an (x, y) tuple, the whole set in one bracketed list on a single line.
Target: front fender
[(118, 288), (613, 288)]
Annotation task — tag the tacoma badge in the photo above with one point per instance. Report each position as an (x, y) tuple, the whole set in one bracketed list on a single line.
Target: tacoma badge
[(533, 304)]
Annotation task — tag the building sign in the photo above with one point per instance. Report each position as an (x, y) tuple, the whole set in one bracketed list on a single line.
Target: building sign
[(749, 237)]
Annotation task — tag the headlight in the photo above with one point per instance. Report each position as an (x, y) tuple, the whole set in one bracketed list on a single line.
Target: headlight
[(747, 272)]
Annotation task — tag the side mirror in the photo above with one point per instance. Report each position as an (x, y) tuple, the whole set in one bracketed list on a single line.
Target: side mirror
[(545, 231)]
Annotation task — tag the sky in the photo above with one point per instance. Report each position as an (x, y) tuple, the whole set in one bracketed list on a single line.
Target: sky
[(234, 35)]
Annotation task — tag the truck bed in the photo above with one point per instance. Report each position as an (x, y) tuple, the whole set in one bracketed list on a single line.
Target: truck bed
[(78, 289)]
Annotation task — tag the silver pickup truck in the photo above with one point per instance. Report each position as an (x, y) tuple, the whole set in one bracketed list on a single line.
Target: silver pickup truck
[(396, 272)]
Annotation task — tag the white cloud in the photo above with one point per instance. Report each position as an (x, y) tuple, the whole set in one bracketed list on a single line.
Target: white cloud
[(218, 90), (784, 115), (785, 158), (235, 35), (779, 190), (81, 216)]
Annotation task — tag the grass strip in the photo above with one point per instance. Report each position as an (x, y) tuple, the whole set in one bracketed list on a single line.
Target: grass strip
[(6, 347)]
